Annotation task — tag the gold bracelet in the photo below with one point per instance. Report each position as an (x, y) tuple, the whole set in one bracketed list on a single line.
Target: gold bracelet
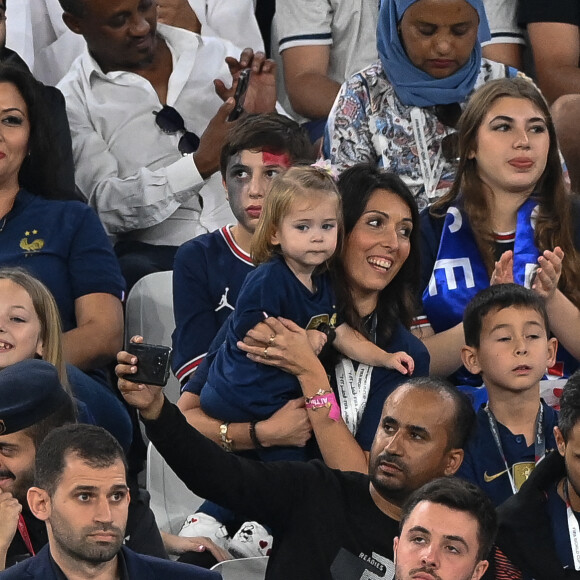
[(227, 444), (318, 393)]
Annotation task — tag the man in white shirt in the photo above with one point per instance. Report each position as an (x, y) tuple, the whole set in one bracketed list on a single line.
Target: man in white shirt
[(131, 171), (53, 47)]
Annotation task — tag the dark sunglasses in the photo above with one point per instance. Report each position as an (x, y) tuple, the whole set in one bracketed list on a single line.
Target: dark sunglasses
[(449, 115), (171, 122)]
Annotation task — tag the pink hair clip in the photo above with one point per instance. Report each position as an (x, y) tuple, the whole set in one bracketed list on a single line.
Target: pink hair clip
[(325, 166)]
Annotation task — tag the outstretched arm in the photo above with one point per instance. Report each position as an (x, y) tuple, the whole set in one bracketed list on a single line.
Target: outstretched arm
[(355, 346), (288, 426), (242, 485)]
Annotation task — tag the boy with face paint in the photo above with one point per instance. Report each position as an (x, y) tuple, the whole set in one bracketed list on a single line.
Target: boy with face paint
[(209, 270)]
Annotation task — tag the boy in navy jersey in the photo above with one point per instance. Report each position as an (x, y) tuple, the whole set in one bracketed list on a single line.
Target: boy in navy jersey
[(507, 342), (210, 269)]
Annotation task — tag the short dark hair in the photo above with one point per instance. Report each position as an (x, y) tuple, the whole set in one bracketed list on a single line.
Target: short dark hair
[(40, 430), (38, 171), (570, 406), (268, 131), (397, 302), (463, 496), (93, 444), (498, 297), (464, 415)]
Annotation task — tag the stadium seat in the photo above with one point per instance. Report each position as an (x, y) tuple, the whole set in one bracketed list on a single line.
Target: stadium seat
[(243, 569), (149, 312)]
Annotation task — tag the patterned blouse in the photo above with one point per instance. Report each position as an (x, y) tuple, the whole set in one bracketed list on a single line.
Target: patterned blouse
[(368, 123)]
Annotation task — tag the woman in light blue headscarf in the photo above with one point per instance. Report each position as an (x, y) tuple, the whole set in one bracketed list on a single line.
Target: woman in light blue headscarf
[(398, 111)]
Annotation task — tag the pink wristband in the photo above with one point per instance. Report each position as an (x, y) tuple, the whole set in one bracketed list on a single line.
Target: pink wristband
[(327, 400)]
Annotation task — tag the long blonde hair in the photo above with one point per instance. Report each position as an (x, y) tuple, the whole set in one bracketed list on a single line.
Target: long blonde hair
[(553, 223), (48, 314), (297, 183)]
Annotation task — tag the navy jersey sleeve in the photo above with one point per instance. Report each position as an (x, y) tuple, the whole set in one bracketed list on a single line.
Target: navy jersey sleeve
[(198, 379), (194, 312), (467, 468), (261, 296), (93, 266)]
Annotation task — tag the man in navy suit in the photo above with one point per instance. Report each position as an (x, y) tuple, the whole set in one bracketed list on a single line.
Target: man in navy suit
[(81, 494)]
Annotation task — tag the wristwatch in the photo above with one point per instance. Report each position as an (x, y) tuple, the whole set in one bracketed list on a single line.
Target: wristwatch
[(226, 442)]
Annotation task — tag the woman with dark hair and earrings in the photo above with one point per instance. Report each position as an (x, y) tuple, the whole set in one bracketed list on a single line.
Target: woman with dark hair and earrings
[(396, 112), (33, 176), (507, 218), (62, 243)]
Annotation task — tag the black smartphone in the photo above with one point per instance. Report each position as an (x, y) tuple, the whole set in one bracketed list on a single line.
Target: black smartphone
[(152, 363), (240, 94)]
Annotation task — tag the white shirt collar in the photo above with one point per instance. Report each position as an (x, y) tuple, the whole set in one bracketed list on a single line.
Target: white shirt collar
[(179, 42)]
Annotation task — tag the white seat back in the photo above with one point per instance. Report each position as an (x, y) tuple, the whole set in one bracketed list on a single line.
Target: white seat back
[(243, 569), (149, 312)]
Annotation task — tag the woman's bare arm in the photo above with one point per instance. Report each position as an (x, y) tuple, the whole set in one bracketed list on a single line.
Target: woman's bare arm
[(290, 351), (99, 332)]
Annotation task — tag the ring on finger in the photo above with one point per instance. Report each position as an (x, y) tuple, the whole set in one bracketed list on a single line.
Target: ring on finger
[(266, 352), (271, 341)]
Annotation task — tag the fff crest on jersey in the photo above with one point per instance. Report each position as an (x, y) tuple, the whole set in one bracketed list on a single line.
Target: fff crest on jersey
[(30, 243)]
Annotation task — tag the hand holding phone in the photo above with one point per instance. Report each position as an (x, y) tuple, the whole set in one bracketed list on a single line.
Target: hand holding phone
[(152, 364), (240, 94)]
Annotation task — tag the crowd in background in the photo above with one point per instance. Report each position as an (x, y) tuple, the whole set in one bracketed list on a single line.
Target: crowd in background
[(391, 199)]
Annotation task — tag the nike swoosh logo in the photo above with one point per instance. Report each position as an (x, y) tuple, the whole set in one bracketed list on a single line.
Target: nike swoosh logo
[(488, 478)]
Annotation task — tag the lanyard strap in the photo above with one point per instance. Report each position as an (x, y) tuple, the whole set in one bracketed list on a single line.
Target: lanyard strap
[(353, 387), (24, 534), (573, 528), (539, 441), (431, 173)]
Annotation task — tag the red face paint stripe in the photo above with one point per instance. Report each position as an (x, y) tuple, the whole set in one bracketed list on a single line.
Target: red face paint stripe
[(271, 158)]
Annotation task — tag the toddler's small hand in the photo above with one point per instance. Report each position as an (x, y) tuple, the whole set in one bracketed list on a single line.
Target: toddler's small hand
[(400, 361), (317, 340)]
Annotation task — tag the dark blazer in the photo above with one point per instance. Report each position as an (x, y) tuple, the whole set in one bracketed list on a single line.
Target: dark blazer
[(139, 568)]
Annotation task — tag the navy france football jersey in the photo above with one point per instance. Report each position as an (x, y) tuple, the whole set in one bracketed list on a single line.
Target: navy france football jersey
[(238, 389), (483, 464), (207, 276), (64, 245)]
